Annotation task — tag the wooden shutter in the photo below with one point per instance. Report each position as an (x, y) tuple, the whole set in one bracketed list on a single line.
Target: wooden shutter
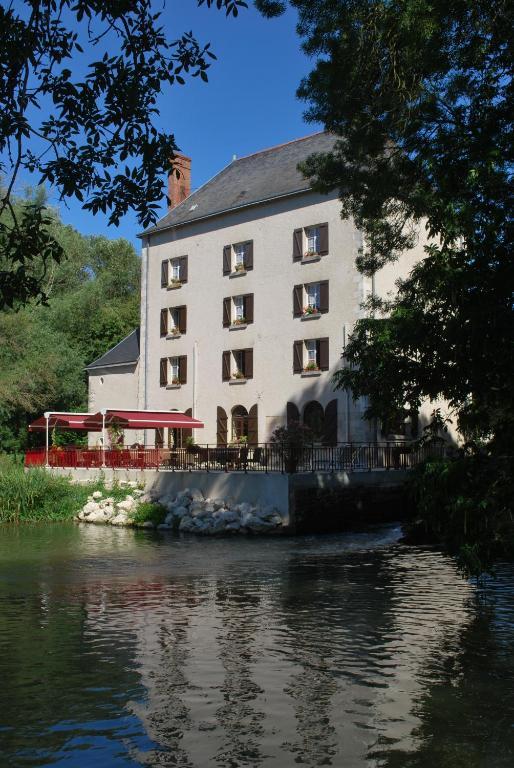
[(165, 265), (298, 301), (330, 424), (292, 414), (297, 244), (182, 369), (221, 426), (322, 353), (225, 366), (182, 319), (248, 363), (164, 322), (323, 239), (253, 426), (248, 260), (183, 269), (226, 312), (323, 296), (164, 371), (227, 258), (187, 432), (298, 357), (248, 307)]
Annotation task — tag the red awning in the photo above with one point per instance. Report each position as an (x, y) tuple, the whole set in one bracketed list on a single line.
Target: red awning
[(77, 421), (143, 420)]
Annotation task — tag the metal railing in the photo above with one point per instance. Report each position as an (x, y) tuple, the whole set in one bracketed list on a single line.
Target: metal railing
[(264, 457)]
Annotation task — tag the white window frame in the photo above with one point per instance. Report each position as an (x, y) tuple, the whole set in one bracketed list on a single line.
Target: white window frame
[(238, 308), (310, 348), (312, 238), (312, 295), (173, 326), (239, 254), (174, 368), (175, 269)]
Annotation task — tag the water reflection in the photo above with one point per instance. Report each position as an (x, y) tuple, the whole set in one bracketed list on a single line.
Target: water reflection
[(120, 648)]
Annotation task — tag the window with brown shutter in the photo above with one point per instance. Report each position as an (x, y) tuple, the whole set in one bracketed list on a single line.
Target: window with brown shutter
[(253, 426), (292, 413), (221, 426), (227, 259), (165, 265), (164, 321), (226, 312), (248, 363), (322, 353), (298, 357), (248, 308), (182, 369), (225, 366), (164, 372), (248, 259), (183, 269), (297, 244), (182, 319), (323, 296), (323, 239), (298, 301)]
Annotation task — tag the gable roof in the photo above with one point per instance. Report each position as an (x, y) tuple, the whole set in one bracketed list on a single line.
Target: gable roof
[(250, 180), (124, 353)]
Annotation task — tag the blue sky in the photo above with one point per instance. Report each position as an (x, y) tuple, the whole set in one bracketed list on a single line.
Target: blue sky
[(248, 104)]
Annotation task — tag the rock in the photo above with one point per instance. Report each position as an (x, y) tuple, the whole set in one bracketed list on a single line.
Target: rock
[(244, 509), (180, 512), (120, 519), (196, 494), (90, 507), (147, 524), (196, 507), (97, 495), (164, 527), (209, 507), (127, 505), (235, 526), (186, 524), (169, 518), (138, 492), (218, 503), (229, 516)]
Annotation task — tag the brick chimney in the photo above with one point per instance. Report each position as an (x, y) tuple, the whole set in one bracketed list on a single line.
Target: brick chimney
[(179, 189)]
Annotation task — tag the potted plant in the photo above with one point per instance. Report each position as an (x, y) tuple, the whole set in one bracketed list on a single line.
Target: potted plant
[(310, 310), (174, 331), (175, 381), (309, 253), (238, 375), (240, 267), (175, 282), (290, 442), (312, 366), (239, 321)]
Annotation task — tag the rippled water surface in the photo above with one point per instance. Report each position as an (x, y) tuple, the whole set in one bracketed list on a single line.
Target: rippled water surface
[(122, 648)]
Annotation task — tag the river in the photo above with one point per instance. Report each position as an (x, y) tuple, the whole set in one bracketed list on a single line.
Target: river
[(126, 648)]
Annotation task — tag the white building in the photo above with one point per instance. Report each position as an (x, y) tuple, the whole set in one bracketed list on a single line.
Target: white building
[(249, 291)]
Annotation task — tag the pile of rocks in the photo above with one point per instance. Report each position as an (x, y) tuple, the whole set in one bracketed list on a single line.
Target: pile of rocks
[(188, 511)]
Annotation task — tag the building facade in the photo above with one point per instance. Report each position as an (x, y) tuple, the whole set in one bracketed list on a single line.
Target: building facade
[(249, 293)]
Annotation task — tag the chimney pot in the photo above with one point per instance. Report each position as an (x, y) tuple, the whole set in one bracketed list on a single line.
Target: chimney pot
[(179, 188)]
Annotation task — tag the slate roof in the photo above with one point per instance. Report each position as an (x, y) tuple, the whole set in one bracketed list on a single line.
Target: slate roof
[(124, 353), (249, 180)]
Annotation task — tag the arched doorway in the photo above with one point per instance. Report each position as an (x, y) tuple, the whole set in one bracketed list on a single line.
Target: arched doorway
[(240, 424), (314, 418)]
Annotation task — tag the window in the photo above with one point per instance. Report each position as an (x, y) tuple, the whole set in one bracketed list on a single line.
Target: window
[(310, 355), (173, 321), (238, 258), (240, 425), (312, 291), (238, 310), (310, 299), (237, 364), (173, 371), (314, 418), (174, 272), (310, 241), (312, 236)]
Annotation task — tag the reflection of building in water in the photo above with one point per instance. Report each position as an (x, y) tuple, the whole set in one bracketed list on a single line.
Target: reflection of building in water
[(238, 716)]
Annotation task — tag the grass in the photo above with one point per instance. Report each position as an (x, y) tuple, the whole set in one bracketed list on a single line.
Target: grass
[(38, 496), (148, 511)]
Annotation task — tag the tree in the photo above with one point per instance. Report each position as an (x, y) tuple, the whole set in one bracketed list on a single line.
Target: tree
[(84, 122), (419, 94)]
